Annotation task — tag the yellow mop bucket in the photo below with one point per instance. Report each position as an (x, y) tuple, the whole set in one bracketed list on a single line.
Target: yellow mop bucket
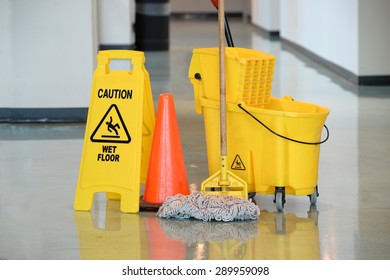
[(287, 157), (273, 143)]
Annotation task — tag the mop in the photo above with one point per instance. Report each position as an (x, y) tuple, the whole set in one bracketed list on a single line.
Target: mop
[(214, 202), (208, 207)]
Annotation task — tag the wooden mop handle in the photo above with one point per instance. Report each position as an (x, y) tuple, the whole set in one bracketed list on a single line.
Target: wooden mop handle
[(222, 81)]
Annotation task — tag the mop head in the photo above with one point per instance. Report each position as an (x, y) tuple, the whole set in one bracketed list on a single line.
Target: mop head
[(208, 207)]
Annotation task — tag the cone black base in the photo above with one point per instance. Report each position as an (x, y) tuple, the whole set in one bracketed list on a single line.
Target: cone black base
[(148, 207)]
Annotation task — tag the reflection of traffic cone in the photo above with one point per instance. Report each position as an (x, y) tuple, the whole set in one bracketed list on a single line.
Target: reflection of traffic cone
[(160, 246), (166, 173)]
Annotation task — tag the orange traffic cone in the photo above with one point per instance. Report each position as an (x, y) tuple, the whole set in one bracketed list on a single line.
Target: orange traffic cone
[(166, 173)]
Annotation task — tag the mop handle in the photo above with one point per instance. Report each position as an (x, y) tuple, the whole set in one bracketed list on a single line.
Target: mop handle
[(228, 35), (222, 82)]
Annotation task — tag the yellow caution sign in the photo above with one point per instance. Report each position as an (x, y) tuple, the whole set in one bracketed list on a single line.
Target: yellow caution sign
[(149, 120), (118, 135)]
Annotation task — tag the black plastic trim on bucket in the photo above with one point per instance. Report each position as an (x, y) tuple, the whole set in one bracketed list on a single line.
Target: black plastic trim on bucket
[(152, 25), (284, 137)]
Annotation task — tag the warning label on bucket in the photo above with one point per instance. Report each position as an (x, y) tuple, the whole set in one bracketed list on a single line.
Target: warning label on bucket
[(237, 164), (111, 128)]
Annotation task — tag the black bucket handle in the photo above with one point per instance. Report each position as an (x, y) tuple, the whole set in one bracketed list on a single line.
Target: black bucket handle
[(284, 137)]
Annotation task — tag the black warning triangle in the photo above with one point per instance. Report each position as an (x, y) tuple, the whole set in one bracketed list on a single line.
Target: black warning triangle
[(112, 128), (238, 164)]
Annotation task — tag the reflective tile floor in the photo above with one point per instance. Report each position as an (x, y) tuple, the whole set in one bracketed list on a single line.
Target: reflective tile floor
[(40, 163)]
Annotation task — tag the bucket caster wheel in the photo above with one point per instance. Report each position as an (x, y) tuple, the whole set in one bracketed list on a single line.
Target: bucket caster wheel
[(251, 195), (280, 198), (313, 197)]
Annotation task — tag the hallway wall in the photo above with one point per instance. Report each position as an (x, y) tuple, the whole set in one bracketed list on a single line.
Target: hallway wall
[(374, 38), (266, 14), (48, 47), (47, 53), (205, 6), (351, 35), (115, 23), (328, 28)]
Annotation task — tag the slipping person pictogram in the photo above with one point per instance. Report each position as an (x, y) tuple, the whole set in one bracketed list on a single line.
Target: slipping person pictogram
[(111, 127)]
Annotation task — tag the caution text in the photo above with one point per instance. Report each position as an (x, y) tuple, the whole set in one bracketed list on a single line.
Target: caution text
[(115, 93)]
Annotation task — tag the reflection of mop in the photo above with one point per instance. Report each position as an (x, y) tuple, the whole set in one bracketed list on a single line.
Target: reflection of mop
[(192, 232)]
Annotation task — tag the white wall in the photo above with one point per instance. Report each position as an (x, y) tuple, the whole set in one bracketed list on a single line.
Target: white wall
[(115, 22), (201, 6), (47, 53), (328, 28), (265, 14), (352, 34), (374, 37)]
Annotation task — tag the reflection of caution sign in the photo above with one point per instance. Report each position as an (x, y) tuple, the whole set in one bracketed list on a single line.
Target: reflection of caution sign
[(112, 128), (238, 164)]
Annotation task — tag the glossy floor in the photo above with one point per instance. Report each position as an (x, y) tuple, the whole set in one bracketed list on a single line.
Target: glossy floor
[(40, 163)]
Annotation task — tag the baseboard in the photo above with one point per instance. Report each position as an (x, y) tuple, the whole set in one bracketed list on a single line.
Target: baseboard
[(43, 115), (203, 15), (269, 34), (103, 47), (374, 80)]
